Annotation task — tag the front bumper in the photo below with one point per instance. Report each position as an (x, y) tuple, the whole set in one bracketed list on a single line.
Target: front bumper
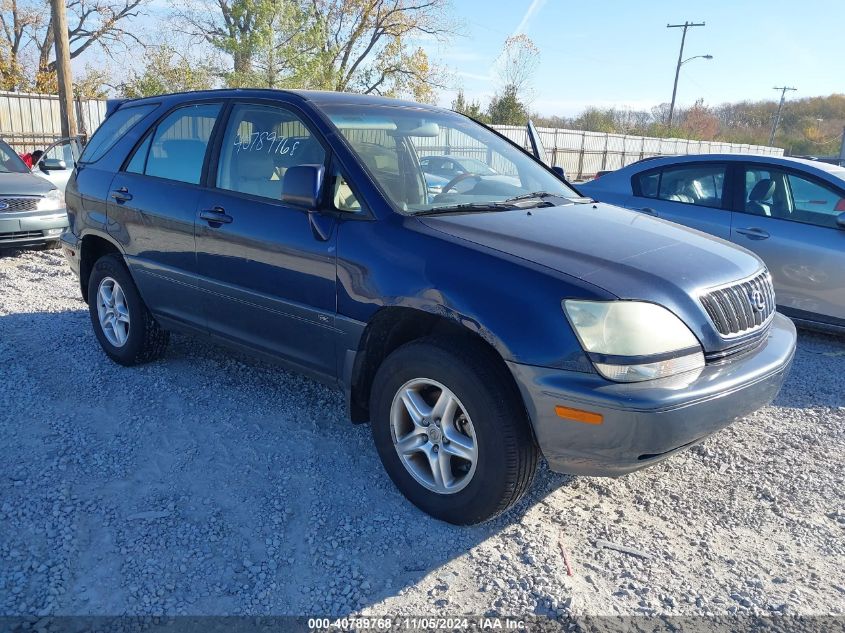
[(28, 228), (646, 422)]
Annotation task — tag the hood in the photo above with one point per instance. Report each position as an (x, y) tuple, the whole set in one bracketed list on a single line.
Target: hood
[(13, 184), (629, 254)]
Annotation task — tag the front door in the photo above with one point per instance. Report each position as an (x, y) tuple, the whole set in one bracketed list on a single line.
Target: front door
[(267, 272), (789, 219), (58, 161)]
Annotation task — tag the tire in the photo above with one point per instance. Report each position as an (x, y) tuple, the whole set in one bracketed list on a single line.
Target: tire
[(489, 415), (137, 338)]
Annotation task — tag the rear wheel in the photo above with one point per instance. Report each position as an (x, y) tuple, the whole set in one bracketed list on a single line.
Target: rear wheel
[(124, 326), (451, 431)]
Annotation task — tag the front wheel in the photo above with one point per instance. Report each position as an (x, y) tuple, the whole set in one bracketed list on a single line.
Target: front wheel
[(451, 430), (124, 326)]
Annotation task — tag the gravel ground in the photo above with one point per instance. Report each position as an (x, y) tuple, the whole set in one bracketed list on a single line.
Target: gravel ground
[(211, 484)]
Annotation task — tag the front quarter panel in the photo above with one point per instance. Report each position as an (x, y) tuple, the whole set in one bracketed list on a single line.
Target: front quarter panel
[(513, 304)]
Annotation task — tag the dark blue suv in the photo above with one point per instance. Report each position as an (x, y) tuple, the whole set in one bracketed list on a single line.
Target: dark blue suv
[(474, 327)]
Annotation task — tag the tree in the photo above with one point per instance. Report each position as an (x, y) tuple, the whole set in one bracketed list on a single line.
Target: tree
[(286, 57), (238, 28), (26, 36), (471, 109), (699, 123), (167, 71), (354, 45), (507, 109), (517, 63), (367, 45)]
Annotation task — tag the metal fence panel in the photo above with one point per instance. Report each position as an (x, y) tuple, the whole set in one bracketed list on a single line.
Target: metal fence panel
[(31, 121)]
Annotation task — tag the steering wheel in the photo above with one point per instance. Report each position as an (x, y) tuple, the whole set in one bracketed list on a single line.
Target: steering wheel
[(459, 178)]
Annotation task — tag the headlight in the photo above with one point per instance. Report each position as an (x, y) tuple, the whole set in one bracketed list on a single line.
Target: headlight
[(52, 201), (630, 341)]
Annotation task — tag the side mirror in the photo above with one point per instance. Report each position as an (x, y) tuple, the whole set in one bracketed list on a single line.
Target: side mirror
[(52, 164), (559, 171), (301, 185), (840, 220)]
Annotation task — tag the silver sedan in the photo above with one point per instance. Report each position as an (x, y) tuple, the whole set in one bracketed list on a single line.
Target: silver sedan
[(789, 211)]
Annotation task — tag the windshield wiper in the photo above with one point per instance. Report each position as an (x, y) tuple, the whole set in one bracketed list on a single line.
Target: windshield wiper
[(504, 205), (542, 195), (535, 194)]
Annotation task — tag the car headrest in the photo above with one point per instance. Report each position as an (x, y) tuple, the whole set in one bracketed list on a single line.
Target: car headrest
[(763, 190)]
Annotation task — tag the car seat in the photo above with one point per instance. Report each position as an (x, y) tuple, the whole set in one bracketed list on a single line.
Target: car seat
[(253, 173), (758, 199)]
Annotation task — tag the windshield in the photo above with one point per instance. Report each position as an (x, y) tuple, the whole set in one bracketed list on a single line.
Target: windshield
[(11, 162), (408, 151)]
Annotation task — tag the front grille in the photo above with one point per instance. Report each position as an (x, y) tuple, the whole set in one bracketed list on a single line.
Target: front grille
[(745, 346), (20, 235), (741, 307), (18, 204)]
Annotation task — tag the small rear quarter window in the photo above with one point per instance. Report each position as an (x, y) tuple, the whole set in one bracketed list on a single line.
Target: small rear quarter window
[(114, 127), (645, 184)]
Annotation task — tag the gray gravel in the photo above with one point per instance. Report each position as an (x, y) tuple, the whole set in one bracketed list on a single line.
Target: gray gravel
[(212, 484)]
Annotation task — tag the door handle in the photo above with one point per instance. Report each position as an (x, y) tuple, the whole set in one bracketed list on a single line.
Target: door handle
[(753, 233), (648, 211), (217, 216), (121, 195)]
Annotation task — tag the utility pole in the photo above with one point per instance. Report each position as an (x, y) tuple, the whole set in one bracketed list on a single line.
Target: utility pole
[(685, 26), (842, 150), (63, 74), (776, 122)]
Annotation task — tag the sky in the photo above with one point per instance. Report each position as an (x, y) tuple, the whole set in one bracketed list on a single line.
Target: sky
[(620, 53)]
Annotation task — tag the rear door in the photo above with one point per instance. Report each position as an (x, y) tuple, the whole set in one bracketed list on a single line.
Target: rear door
[(152, 207), (692, 194), (267, 269), (789, 218)]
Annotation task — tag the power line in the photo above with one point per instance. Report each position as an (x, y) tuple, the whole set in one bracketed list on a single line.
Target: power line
[(776, 122)]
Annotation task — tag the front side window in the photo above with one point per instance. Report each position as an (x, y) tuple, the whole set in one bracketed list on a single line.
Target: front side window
[(401, 146), (342, 196), (112, 129), (178, 145), (700, 185), (788, 196), (260, 144), (815, 203)]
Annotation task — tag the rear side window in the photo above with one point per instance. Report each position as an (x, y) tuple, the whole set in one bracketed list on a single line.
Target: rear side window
[(701, 185), (176, 150), (112, 129)]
